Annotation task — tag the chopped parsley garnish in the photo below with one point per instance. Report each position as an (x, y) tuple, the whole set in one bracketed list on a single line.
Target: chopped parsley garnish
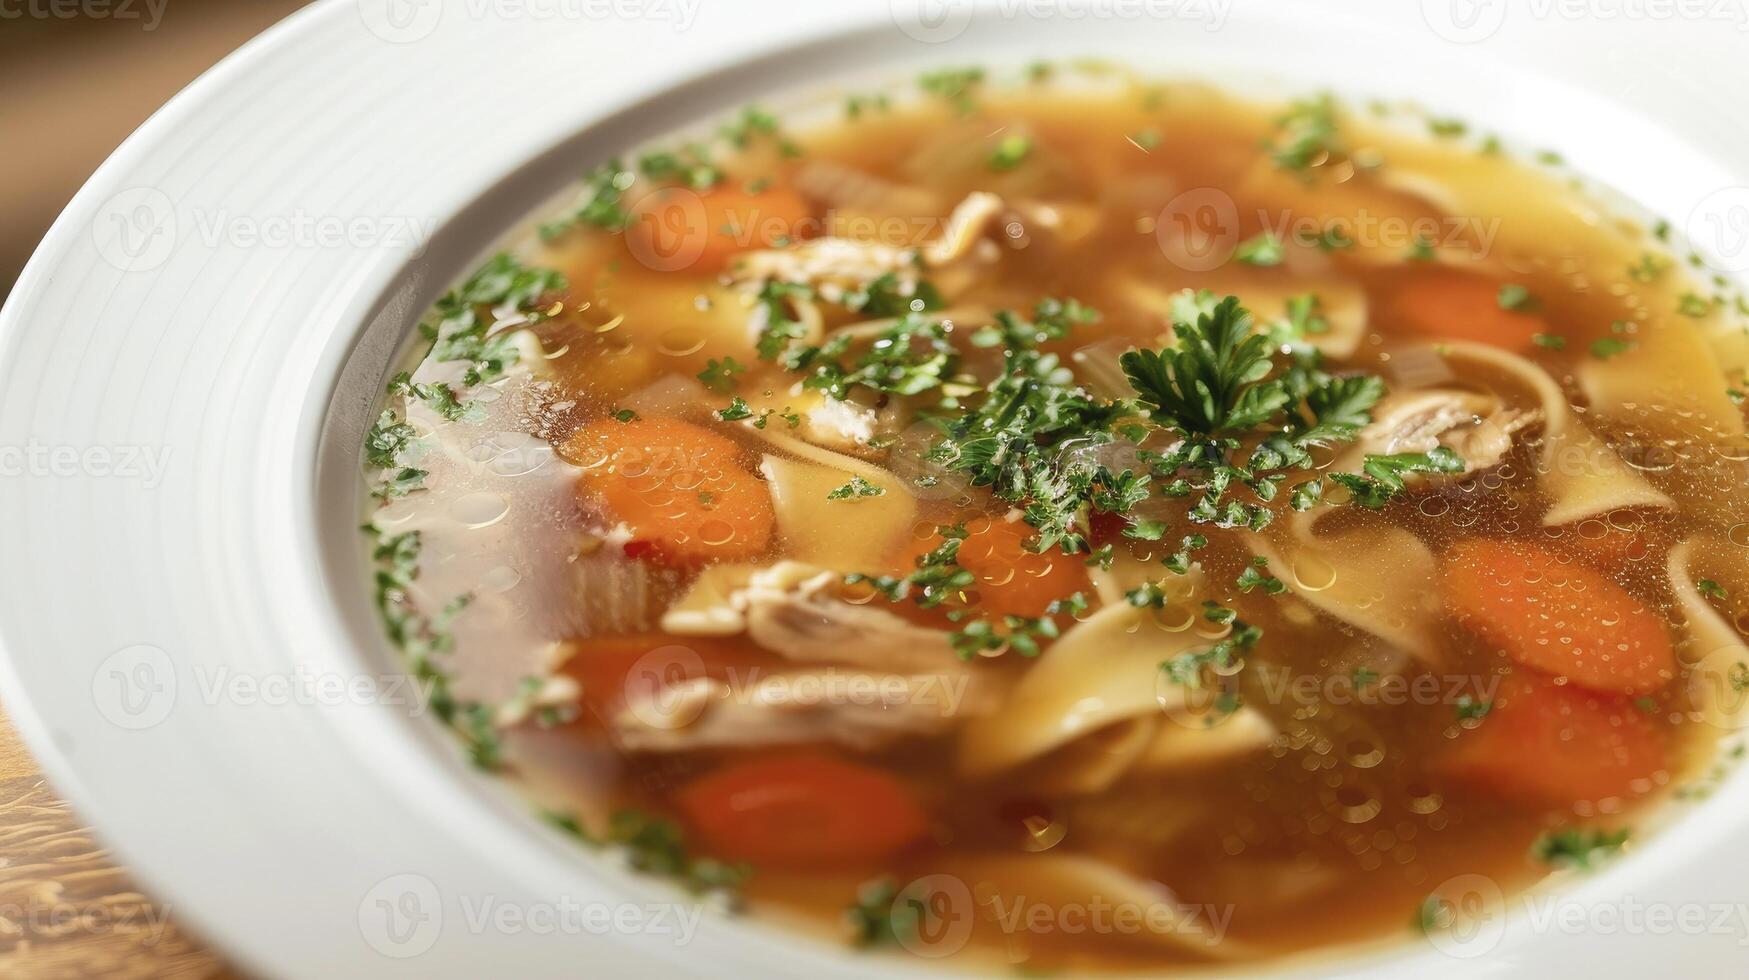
[(856, 105), (1515, 298), (719, 376), (756, 122), (690, 165), (1447, 127), (1711, 589), (1253, 576), (1382, 477), (1421, 250), (1434, 913), (602, 189), (1262, 250), (1693, 305), (440, 398), (1549, 341), (1010, 152), (780, 326), (1604, 348), (880, 916), (956, 85), (737, 410), (388, 438), (506, 287), (656, 845), (888, 295), (856, 489), (1471, 709), (1648, 268), (1306, 134), (1580, 848), (1186, 669)]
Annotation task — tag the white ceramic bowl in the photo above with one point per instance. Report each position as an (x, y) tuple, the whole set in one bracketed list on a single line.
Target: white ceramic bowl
[(187, 364)]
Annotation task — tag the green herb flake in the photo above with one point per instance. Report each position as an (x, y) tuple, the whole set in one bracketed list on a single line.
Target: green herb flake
[(1263, 250), (1010, 152), (1604, 348), (1582, 849), (1515, 298), (856, 489)]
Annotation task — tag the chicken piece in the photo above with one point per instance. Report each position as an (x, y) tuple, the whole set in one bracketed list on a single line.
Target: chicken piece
[(793, 609), (1475, 426), (857, 709)]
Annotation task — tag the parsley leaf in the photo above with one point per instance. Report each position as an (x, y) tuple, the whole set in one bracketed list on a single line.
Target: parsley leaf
[(1383, 476), (856, 489), (1579, 848)]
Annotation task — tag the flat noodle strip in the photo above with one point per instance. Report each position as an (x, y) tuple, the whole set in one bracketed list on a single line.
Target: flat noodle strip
[(1104, 671), (1717, 658), (1582, 476), (1376, 578), (1000, 891)]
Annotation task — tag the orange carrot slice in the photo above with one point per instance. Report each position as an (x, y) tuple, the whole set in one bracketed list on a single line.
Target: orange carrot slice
[(804, 811), (1449, 305), (682, 489), (1555, 744), (1012, 581), (677, 229), (1563, 619)]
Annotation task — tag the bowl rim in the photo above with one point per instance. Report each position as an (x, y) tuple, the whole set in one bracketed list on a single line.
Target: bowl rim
[(385, 302)]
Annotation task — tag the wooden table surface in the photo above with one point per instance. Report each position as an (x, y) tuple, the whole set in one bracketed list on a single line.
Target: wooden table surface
[(67, 912)]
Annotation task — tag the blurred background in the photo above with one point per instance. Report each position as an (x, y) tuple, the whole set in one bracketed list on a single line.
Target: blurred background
[(77, 76)]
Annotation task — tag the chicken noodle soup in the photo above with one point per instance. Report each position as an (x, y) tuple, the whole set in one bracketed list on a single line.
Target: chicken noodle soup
[(1078, 523)]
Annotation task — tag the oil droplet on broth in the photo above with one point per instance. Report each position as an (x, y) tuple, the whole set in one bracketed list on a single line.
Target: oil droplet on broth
[(480, 509), (1739, 534), (1312, 573), (680, 341), (1042, 833), (715, 532), (500, 579)]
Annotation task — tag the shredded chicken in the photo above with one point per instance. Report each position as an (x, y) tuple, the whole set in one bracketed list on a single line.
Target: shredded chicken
[(846, 187), (1475, 426), (857, 709), (793, 610)]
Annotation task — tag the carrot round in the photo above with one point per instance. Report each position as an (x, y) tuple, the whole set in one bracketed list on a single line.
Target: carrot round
[(675, 228), (1563, 619), (683, 490), (804, 811), (1449, 305), (1012, 581), (606, 667), (1557, 745)]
